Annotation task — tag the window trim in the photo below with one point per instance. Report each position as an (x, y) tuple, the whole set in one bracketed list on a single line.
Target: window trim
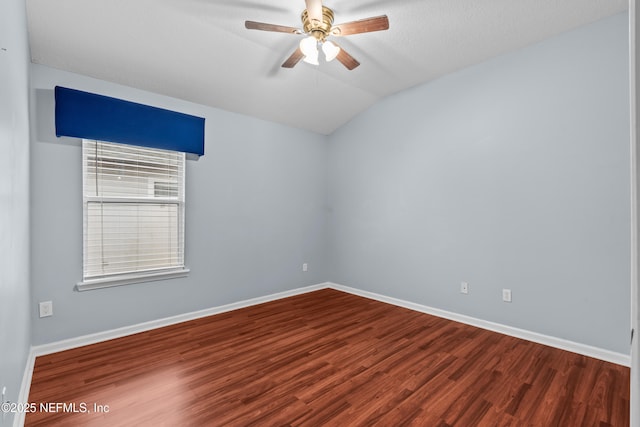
[(131, 278), (141, 276)]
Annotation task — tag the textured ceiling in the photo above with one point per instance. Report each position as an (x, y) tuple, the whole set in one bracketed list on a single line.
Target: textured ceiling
[(199, 50)]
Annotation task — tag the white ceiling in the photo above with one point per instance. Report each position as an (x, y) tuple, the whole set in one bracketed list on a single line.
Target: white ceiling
[(199, 50)]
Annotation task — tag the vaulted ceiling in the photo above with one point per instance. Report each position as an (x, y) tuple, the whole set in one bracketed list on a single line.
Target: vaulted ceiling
[(200, 51)]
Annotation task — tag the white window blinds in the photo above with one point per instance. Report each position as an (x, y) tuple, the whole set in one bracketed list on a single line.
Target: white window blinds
[(133, 211)]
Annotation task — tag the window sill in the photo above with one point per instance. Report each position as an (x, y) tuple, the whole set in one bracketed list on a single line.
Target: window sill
[(128, 279)]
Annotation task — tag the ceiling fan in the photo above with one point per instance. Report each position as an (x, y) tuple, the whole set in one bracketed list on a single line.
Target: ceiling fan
[(317, 24)]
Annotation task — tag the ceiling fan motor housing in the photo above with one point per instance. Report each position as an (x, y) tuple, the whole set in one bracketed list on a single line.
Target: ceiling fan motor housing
[(319, 30)]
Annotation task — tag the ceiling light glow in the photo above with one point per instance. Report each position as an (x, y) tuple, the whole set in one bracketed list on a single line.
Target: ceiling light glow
[(309, 48), (331, 50)]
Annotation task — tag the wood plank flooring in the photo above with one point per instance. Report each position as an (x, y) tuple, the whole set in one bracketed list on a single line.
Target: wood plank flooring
[(326, 358)]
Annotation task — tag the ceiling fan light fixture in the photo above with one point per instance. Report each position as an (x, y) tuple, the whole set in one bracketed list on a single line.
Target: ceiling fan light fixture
[(312, 59), (309, 46), (331, 50)]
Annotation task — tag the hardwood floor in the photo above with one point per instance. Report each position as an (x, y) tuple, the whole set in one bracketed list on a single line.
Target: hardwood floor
[(327, 358)]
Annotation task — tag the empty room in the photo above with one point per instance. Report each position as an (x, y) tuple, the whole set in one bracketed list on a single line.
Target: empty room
[(318, 213)]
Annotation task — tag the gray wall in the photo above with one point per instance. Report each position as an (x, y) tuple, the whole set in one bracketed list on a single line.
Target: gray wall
[(510, 174), (14, 199), (255, 211)]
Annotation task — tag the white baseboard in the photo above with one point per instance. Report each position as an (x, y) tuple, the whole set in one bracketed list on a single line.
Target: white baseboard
[(40, 350), (54, 347), (586, 350), (23, 396)]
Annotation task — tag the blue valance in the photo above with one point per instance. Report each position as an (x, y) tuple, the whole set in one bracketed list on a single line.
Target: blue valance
[(87, 115)]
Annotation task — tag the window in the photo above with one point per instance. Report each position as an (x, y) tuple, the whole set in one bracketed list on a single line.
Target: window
[(133, 214)]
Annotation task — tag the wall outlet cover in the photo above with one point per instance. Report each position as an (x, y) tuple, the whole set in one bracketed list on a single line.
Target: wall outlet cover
[(464, 288), (46, 308)]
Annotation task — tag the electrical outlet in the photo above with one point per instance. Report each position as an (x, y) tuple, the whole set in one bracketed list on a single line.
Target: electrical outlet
[(464, 288), (305, 267), (506, 295), (46, 308)]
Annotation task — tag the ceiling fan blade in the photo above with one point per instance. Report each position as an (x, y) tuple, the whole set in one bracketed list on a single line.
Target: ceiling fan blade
[(368, 25), (252, 25), (295, 57), (347, 60), (314, 9)]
